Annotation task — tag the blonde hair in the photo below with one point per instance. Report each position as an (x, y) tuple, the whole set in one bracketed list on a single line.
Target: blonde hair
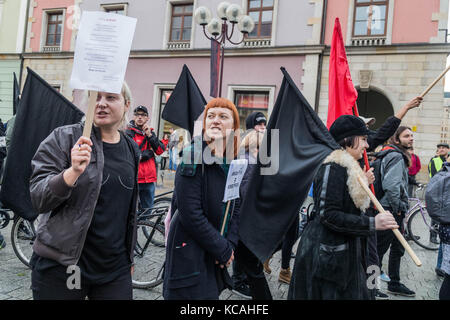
[(126, 94), (252, 140)]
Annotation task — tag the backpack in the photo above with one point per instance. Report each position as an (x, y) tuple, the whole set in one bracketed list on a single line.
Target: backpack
[(437, 196), (376, 165)]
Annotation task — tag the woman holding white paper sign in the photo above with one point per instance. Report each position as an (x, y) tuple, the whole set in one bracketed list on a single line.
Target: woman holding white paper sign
[(86, 190), (197, 254)]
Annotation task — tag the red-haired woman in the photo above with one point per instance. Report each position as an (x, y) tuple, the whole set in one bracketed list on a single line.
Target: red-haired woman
[(197, 255)]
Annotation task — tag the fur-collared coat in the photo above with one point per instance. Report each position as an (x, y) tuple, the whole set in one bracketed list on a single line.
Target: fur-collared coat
[(331, 256)]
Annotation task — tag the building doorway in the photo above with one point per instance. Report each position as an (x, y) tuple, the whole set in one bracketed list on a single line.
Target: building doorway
[(374, 104)]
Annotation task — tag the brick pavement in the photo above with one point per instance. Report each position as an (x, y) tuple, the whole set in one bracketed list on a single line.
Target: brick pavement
[(15, 278)]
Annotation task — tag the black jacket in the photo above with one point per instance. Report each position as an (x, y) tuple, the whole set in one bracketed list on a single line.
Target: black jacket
[(194, 243), (383, 133), (331, 258), (67, 211)]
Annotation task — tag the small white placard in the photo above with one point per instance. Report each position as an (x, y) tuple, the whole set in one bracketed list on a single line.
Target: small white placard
[(102, 51), (235, 175)]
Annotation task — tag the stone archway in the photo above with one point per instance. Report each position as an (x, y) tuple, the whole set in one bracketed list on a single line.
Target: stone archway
[(373, 103)]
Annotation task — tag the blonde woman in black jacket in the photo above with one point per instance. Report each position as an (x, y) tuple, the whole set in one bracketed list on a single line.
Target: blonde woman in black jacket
[(86, 190)]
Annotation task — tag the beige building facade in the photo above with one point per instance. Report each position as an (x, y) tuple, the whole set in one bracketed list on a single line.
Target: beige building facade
[(401, 73)]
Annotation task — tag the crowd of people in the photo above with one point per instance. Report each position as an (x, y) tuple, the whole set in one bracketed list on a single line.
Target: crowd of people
[(88, 191)]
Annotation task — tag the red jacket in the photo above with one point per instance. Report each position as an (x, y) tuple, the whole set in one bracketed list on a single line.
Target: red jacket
[(415, 165), (148, 146)]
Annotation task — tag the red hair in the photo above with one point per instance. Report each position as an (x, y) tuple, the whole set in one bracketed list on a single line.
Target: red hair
[(225, 103)]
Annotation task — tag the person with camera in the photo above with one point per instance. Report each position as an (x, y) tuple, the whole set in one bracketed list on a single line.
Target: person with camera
[(149, 144)]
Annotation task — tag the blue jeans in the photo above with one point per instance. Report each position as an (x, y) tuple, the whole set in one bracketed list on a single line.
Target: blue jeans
[(146, 194), (172, 162), (439, 258)]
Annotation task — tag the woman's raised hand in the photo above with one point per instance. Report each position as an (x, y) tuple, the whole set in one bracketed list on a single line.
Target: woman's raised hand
[(80, 157)]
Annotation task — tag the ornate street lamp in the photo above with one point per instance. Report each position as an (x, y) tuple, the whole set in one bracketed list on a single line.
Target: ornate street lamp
[(218, 30)]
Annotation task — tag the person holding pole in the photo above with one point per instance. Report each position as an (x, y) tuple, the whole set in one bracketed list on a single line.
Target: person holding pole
[(331, 259), (197, 251), (86, 192), (394, 185)]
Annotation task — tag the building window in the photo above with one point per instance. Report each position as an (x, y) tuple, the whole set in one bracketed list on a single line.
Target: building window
[(181, 26), (250, 101), (370, 18), (118, 8), (261, 12), (54, 29), (163, 125)]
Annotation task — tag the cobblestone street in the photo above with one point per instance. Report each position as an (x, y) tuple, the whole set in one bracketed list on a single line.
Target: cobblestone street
[(16, 278)]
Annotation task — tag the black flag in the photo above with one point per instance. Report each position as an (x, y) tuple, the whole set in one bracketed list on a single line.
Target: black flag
[(186, 103), (16, 93), (41, 110), (273, 201)]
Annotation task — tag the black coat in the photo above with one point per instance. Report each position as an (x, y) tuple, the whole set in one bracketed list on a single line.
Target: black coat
[(382, 134), (194, 243), (331, 257)]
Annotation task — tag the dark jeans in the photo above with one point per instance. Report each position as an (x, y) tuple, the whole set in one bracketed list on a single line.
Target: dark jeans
[(386, 239), (444, 293), (288, 243), (163, 163), (253, 269), (51, 285), (146, 194), (372, 257)]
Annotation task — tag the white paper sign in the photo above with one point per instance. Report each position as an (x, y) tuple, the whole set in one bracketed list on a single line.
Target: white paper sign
[(102, 51), (235, 175)]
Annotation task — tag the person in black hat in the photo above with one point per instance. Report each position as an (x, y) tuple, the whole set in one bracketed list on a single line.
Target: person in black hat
[(330, 263), (149, 144), (256, 120)]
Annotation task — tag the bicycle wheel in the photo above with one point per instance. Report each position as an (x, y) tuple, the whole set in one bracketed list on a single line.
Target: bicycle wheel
[(4, 218), (148, 258), (23, 234), (419, 228), (158, 214)]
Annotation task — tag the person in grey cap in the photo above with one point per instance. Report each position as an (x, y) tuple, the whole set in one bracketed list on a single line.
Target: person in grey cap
[(330, 263)]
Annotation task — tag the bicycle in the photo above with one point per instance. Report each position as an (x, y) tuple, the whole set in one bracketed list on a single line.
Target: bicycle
[(23, 234), (418, 223), (161, 206), (150, 250)]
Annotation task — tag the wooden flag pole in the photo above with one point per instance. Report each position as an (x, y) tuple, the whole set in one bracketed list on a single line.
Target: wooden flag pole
[(434, 82), (222, 230), (396, 232), (90, 114)]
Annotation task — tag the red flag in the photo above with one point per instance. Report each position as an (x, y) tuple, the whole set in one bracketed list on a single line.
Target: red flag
[(342, 94)]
